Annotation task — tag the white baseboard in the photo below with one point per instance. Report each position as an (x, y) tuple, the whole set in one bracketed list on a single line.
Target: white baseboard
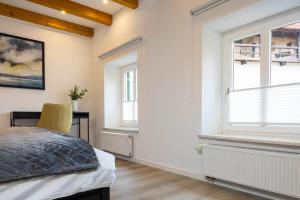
[(167, 168)]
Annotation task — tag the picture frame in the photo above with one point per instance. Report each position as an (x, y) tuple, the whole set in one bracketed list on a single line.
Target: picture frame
[(22, 62)]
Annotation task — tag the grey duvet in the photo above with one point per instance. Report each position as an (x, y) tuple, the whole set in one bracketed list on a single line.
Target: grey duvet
[(31, 152)]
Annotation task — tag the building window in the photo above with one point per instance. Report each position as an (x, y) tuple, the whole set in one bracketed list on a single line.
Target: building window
[(246, 65), (285, 65), (264, 88), (129, 96)]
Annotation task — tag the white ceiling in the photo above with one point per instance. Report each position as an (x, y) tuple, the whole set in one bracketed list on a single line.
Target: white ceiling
[(259, 10), (111, 8)]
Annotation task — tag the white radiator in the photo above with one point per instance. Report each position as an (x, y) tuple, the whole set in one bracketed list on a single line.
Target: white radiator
[(118, 143), (277, 172)]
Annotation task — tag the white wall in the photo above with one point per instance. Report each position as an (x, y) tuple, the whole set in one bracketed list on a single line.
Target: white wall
[(67, 62), (112, 96), (167, 127), (211, 82), (170, 79)]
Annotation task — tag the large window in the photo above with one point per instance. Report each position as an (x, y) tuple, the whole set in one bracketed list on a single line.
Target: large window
[(264, 88), (129, 96)]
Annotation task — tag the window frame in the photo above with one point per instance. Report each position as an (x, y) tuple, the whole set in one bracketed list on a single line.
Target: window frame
[(125, 69), (264, 28)]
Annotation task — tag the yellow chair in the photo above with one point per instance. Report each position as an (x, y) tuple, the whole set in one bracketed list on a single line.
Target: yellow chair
[(57, 117)]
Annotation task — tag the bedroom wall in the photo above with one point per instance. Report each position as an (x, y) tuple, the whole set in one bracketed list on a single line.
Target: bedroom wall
[(167, 126), (67, 62), (170, 71)]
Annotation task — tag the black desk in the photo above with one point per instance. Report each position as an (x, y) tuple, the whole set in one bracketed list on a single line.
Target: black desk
[(36, 115)]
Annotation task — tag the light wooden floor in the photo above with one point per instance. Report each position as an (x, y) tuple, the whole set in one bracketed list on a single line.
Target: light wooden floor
[(139, 182)]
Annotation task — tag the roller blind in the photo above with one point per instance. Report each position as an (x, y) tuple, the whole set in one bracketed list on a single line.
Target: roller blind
[(267, 105)]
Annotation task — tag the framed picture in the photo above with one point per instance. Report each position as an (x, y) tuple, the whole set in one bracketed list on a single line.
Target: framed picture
[(22, 63)]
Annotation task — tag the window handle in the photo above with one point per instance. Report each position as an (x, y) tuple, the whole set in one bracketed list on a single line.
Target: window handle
[(227, 91), (226, 94)]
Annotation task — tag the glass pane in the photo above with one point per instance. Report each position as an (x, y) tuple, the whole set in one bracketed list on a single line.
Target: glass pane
[(285, 65), (128, 86), (128, 111), (246, 65), (130, 104), (136, 88), (245, 106), (283, 104), (125, 87)]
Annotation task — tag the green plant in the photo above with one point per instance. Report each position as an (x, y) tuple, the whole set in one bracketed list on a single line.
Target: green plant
[(76, 93)]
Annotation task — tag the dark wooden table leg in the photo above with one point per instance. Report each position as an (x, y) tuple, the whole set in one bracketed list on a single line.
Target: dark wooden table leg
[(12, 120), (88, 131), (79, 135)]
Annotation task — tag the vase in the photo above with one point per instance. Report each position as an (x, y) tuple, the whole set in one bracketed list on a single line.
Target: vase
[(74, 105)]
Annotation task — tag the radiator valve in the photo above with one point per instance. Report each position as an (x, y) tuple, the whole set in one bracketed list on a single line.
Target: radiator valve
[(199, 148)]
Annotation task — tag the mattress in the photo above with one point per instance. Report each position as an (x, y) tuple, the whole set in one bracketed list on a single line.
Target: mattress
[(56, 186)]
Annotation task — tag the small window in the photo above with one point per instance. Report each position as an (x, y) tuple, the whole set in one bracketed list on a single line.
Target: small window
[(285, 60), (120, 92), (246, 65), (129, 96)]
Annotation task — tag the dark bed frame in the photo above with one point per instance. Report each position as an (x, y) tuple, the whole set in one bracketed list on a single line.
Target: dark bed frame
[(97, 194)]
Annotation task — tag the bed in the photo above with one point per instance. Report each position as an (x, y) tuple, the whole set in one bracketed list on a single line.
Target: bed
[(81, 185)]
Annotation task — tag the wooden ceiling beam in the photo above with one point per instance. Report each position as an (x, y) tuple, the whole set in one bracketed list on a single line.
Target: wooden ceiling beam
[(77, 9), (129, 3), (44, 20)]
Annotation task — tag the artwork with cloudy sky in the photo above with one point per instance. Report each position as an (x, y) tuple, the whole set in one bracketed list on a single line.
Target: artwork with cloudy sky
[(21, 62)]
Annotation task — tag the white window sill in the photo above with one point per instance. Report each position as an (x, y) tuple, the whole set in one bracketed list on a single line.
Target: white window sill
[(254, 138), (127, 130)]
